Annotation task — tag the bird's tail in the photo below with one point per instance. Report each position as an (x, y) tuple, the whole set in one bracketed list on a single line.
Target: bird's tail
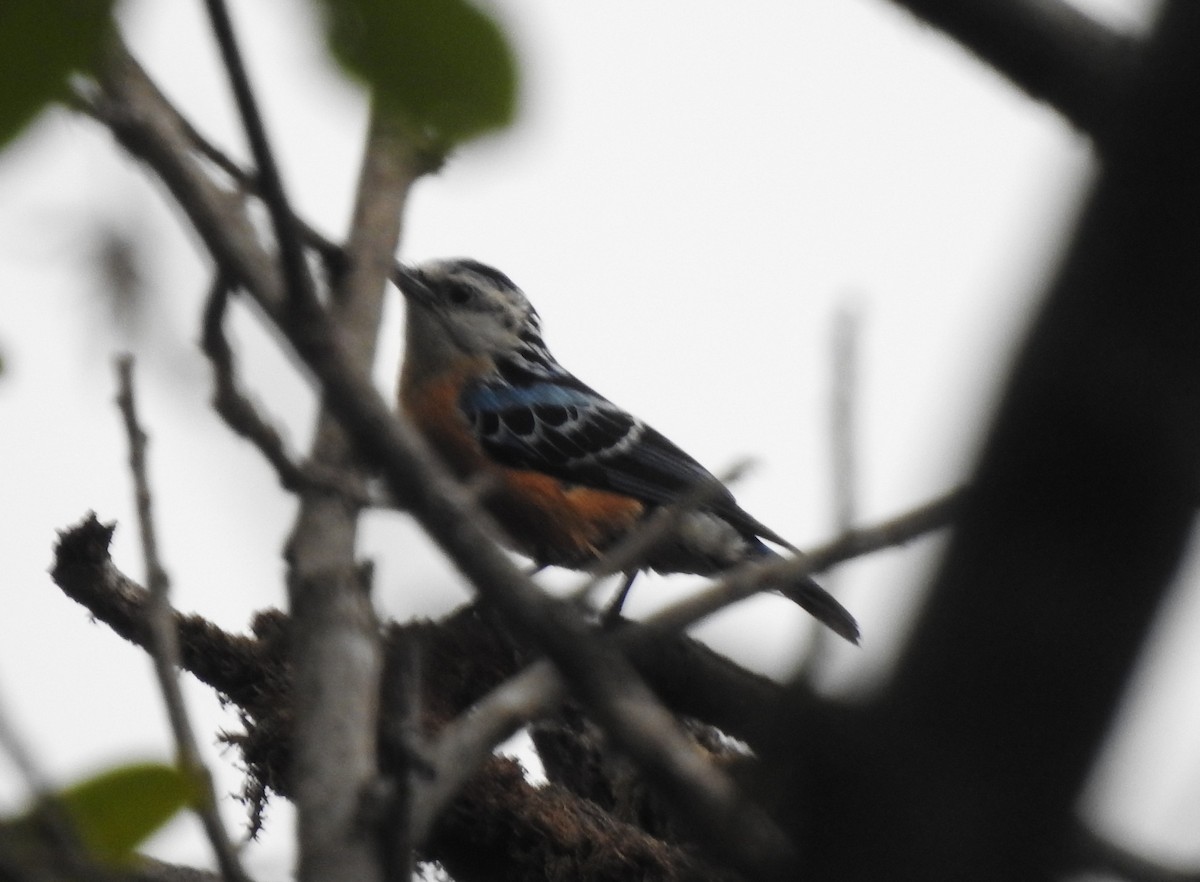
[(819, 603), (811, 597)]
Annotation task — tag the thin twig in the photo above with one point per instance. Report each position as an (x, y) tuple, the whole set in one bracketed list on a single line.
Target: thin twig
[(157, 581), (165, 639), (331, 252), (749, 579), (243, 417), (842, 450), (464, 745), (297, 281), (636, 546), (843, 432)]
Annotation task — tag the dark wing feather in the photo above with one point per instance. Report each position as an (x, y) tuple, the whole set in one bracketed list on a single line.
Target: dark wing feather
[(562, 428)]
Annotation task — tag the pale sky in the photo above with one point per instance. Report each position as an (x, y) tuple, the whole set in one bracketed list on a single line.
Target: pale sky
[(692, 190)]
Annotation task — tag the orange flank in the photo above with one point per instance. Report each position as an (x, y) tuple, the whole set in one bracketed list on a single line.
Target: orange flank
[(549, 520), (558, 523)]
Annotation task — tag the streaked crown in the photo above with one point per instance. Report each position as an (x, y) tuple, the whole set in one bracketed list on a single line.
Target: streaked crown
[(477, 309)]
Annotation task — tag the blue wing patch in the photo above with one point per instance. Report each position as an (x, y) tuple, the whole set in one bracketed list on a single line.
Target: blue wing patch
[(547, 426), (562, 428)]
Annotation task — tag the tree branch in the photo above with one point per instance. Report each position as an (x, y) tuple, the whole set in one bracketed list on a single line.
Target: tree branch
[(1083, 500), (843, 406), (337, 654), (1048, 49), (550, 834), (296, 278), (749, 579), (241, 415), (336, 649), (164, 640), (462, 658), (142, 120), (630, 553)]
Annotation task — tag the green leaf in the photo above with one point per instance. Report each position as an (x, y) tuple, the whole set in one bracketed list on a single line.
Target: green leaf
[(41, 43), (442, 65), (119, 808)]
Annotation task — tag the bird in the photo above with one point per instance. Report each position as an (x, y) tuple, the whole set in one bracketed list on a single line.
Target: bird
[(568, 474)]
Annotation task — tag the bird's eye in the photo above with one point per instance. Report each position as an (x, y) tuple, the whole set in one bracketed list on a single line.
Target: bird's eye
[(459, 295)]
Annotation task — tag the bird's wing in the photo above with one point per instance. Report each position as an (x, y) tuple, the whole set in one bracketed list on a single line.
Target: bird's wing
[(562, 428)]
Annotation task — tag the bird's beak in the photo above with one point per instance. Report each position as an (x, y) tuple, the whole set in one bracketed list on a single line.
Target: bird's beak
[(412, 285)]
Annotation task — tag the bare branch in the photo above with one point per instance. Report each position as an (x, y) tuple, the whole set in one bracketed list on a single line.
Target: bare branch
[(632, 550), (1049, 49), (149, 128), (331, 252), (497, 809), (156, 577), (336, 643), (164, 649), (550, 833), (85, 573), (843, 434), (234, 407), (1082, 506), (464, 745), (297, 281), (752, 578), (843, 444), (737, 702), (337, 653), (243, 417)]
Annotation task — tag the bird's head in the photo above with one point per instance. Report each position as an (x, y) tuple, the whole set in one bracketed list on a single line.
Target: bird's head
[(462, 307)]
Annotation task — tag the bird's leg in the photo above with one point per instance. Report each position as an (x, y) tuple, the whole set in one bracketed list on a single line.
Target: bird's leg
[(613, 614)]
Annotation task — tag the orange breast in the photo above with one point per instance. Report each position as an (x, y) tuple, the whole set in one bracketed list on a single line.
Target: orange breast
[(544, 518), (432, 405)]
